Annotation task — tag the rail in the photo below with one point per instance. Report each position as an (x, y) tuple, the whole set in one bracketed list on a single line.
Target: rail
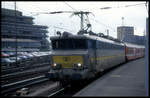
[(54, 93), (13, 70), (20, 84), (23, 73), (59, 91)]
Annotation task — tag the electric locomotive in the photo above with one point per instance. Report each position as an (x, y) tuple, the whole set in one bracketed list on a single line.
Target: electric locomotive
[(80, 57)]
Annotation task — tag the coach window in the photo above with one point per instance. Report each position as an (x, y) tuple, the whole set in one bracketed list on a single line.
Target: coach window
[(117, 47), (103, 44), (113, 46), (99, 45), (96, 44), (121, 47), (109, 45), (106, 46), (91, 44)]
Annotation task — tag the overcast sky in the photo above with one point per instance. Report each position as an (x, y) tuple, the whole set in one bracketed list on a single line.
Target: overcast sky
[(102, 19)]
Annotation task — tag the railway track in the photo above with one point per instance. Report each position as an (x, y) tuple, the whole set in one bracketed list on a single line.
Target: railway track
[(15, 68), (23, 75), (56, 92), (21, 78), (27, 72), (67, 91), (20, 84), (6, 89)]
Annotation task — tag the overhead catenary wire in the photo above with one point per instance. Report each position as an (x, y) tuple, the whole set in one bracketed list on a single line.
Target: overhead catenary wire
[(115, 6), (110, 8), (61, 28), (103, 24), (122, 6), (134, 4), (91, 18), (70, 6), (81, 17), (71, 12), (97, 20)]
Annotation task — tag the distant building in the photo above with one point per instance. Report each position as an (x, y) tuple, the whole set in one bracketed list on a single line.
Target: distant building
[(140, 40), (19, 32), (126, 34), (124, 31)]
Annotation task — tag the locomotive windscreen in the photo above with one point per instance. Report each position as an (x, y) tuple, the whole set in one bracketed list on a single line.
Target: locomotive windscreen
[(63, 44)]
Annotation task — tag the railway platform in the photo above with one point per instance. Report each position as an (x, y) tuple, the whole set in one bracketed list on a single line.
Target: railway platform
[(126, 80)]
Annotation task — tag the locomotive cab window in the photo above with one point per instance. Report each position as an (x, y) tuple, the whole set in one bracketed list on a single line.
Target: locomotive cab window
[(63, 44)]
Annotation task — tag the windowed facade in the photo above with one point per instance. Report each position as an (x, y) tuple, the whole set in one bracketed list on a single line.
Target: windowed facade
[(22, 27)]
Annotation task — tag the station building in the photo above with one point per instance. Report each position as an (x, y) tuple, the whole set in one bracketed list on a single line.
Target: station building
[(19, 33)]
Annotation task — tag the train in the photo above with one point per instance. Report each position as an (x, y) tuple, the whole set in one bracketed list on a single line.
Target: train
[(133, 51), (82, 57)]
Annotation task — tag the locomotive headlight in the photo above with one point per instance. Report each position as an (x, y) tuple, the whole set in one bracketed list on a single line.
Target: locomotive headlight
[(54, 64), (79, 64)]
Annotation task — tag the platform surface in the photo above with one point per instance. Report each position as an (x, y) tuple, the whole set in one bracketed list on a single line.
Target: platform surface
[(126, 80)]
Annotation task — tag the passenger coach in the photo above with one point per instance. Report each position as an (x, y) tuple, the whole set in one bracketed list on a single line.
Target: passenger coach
[(133, 51)]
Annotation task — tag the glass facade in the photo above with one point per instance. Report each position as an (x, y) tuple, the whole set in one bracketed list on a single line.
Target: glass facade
[(22, 28)]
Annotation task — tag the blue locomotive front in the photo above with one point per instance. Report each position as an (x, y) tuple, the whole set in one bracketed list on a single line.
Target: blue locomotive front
[(70, 59), (80, 57)]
